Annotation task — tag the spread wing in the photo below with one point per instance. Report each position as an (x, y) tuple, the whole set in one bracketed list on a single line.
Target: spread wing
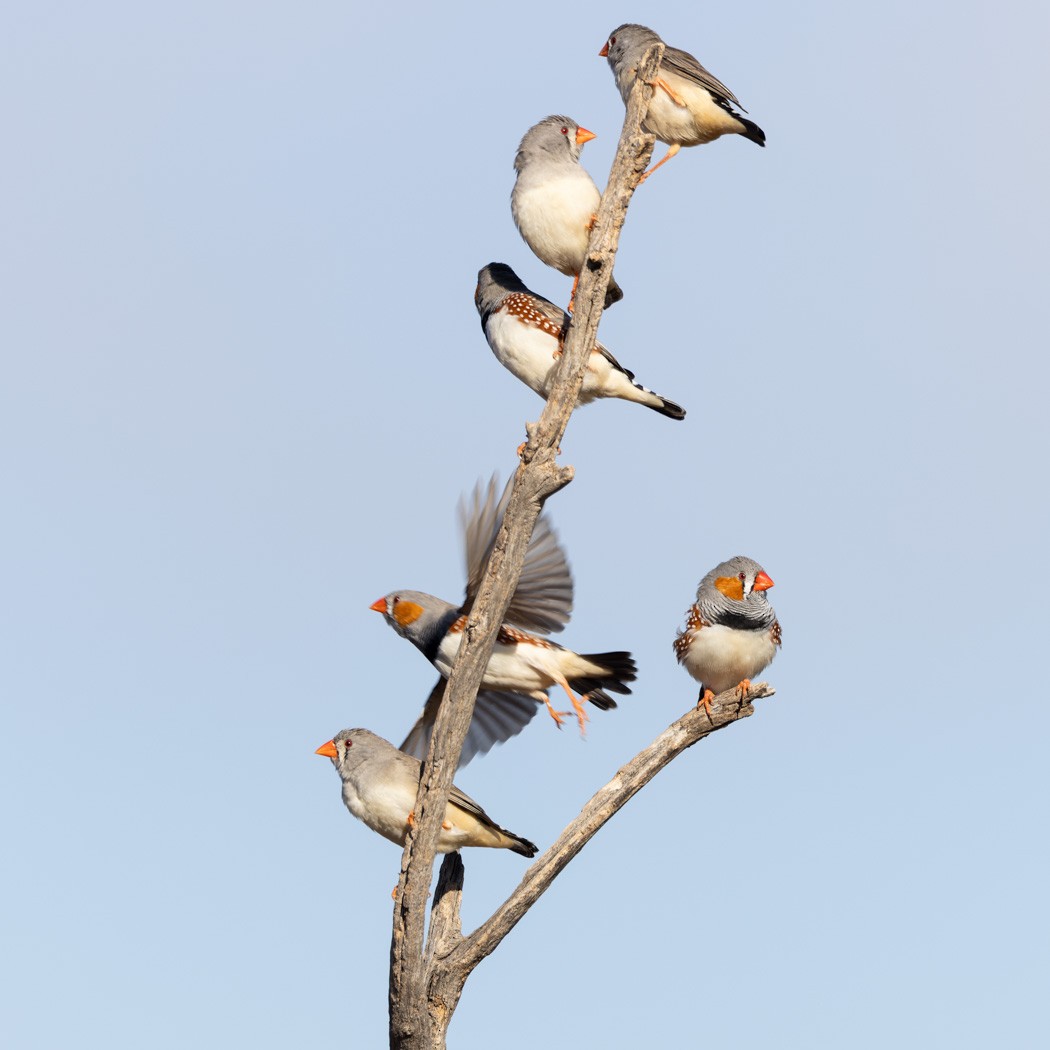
[(683, 63), (497, 717), (543, 599)]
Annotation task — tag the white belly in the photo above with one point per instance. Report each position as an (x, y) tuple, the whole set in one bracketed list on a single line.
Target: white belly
[(527, 352), (701, 120), (528, 669), (384, 808), (553, 218), (721, 657)]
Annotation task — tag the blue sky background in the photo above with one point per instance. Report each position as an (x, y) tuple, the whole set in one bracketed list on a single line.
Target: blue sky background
[(244, 385)]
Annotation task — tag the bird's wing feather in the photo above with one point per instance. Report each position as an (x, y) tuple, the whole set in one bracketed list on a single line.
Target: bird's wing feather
[(497, 717), (685, 65), (542, 601)]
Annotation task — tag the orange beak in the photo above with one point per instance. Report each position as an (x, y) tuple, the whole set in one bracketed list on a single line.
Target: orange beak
[(328, 750), (583, 135), (604, 53), (379, 605), (762, 582)]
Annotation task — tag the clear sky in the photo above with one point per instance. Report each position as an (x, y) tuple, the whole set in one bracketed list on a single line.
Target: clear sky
[(244, 385)]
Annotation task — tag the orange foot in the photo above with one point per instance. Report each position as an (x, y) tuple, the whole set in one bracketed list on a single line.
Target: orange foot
[(411, 821), (705, 701), (558, 716), (670, 153), (581, 714), (521, 448), (743, 687), (572, 294)]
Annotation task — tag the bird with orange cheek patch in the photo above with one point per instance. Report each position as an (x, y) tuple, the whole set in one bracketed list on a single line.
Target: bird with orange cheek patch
[(523, 665), (731, 632)]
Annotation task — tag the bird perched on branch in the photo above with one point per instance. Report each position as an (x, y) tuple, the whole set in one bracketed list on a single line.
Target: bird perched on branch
[(689, 106), (526, 333), (380, 786), (554, 201), (523, 665), (731, 631)]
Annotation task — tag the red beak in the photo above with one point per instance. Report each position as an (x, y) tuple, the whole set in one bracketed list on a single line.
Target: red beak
[(583, 135), (379, 605), (762, 582), (604, 53), (328, 750)]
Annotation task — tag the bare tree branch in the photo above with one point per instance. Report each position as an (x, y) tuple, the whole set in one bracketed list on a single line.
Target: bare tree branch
[(538, 476), (629, 780), (451, 958)]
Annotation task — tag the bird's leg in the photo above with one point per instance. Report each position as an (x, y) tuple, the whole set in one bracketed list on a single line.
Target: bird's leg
[(572, 294), (743, 687), (411, 821), (670, 153), (704, 701), (677, 99), (578, 707), (558, 716)]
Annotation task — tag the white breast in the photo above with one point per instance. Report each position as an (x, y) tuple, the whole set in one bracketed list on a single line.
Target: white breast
[(553, 216), (721, 657), (528, 352), (383, 806)]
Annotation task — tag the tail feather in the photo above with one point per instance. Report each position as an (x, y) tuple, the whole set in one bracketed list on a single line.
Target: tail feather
[(751, 130), (650, 398), (666, 407), (519, 845), (617, 670)]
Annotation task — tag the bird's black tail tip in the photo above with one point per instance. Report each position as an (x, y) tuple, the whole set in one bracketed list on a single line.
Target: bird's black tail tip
[(669, 409), (523, 847), (752, 131)]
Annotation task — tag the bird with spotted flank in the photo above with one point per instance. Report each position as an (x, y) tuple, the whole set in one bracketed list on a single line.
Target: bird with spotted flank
[(526, 333), (731, 631), (524, 665)]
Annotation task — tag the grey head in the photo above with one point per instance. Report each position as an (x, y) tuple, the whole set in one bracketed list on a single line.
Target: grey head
[(555, 140), (624, 50), (355, 747), (420, 617), (495, 281), (733, 593)]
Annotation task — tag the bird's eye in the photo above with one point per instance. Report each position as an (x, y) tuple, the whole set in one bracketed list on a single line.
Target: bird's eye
[(742, 576), (565, 131), (612, 40)]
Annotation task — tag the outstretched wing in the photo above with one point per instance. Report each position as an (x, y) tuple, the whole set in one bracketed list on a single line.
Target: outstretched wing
[(497, 717), (543, 599)]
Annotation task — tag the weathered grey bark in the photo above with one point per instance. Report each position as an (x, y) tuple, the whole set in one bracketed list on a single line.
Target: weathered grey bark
[(424, 990), (451, 957)]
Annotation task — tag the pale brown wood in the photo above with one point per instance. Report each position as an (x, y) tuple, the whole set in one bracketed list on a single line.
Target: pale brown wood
[(451, 958), (425, 988)]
